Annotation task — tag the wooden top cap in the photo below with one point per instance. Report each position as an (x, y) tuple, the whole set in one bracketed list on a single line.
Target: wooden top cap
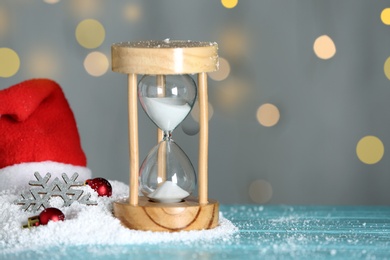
[(164, 57)]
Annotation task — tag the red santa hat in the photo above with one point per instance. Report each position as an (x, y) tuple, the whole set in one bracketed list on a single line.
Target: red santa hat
[(38, 133)]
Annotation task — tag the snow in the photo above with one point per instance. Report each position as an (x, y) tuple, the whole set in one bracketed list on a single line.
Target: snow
[(87, 225), (17, 174)]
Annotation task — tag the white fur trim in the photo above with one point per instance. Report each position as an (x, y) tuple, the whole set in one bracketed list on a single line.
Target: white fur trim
[(19, 175)]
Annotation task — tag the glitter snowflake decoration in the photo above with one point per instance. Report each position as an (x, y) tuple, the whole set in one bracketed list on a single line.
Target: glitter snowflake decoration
[(38, 197)]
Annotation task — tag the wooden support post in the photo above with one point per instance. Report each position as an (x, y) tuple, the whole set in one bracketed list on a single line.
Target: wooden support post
[(133, 138), (160, 135), (161, 93), (162, 160), (203, 138)]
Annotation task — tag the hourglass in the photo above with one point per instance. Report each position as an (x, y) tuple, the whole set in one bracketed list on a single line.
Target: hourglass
[(162, 190), (167, 174)]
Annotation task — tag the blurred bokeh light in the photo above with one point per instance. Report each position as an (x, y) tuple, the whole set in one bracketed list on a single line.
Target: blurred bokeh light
[(385, 16), (223, 71), (268, 115), (370, 149), (324, 47), (260, 191), (9, 62), (229, 3), (90, 33), (96, 64)]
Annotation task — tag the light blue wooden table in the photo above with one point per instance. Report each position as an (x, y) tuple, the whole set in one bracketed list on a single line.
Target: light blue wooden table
[(265, 232)]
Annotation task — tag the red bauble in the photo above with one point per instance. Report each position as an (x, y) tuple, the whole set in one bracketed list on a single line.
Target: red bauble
[(50, 214), (101, 186)]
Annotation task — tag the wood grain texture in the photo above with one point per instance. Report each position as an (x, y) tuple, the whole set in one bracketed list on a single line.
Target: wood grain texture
[(164, 57), (171, 217)]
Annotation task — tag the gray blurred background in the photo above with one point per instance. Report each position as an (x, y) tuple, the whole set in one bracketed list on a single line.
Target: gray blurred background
[(326, 106)]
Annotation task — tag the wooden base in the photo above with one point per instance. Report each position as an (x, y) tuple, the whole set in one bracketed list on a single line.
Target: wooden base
[(171, 217)]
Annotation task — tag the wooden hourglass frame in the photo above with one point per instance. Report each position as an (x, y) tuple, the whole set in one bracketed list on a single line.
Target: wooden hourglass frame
[(166, 58)]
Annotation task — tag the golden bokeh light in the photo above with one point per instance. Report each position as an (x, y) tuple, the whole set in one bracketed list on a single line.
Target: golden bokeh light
[(386, 68), (385, 16), (236, 41), (43, 63), (85, 8), (51, 1), (96, 64), (231, 96), (223, 71), (370, 149), (195, 111), (90, 33), (4, 21), (132, 12), (324, 47), (260, 191), (229, 3), (9, 62), (268, 115)]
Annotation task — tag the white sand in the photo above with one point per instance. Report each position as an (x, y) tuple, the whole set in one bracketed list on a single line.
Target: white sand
[(168, 192), (87, 225), (167, 112)]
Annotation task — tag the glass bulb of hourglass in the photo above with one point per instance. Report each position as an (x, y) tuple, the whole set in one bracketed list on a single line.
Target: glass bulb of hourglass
[(166, 174), (167, 99)]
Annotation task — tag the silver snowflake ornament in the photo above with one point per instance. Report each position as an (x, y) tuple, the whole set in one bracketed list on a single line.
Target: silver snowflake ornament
[(39, 196)]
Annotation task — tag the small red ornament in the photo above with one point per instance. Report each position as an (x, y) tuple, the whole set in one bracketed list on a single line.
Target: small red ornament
[(49, 214), (101, 186)]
